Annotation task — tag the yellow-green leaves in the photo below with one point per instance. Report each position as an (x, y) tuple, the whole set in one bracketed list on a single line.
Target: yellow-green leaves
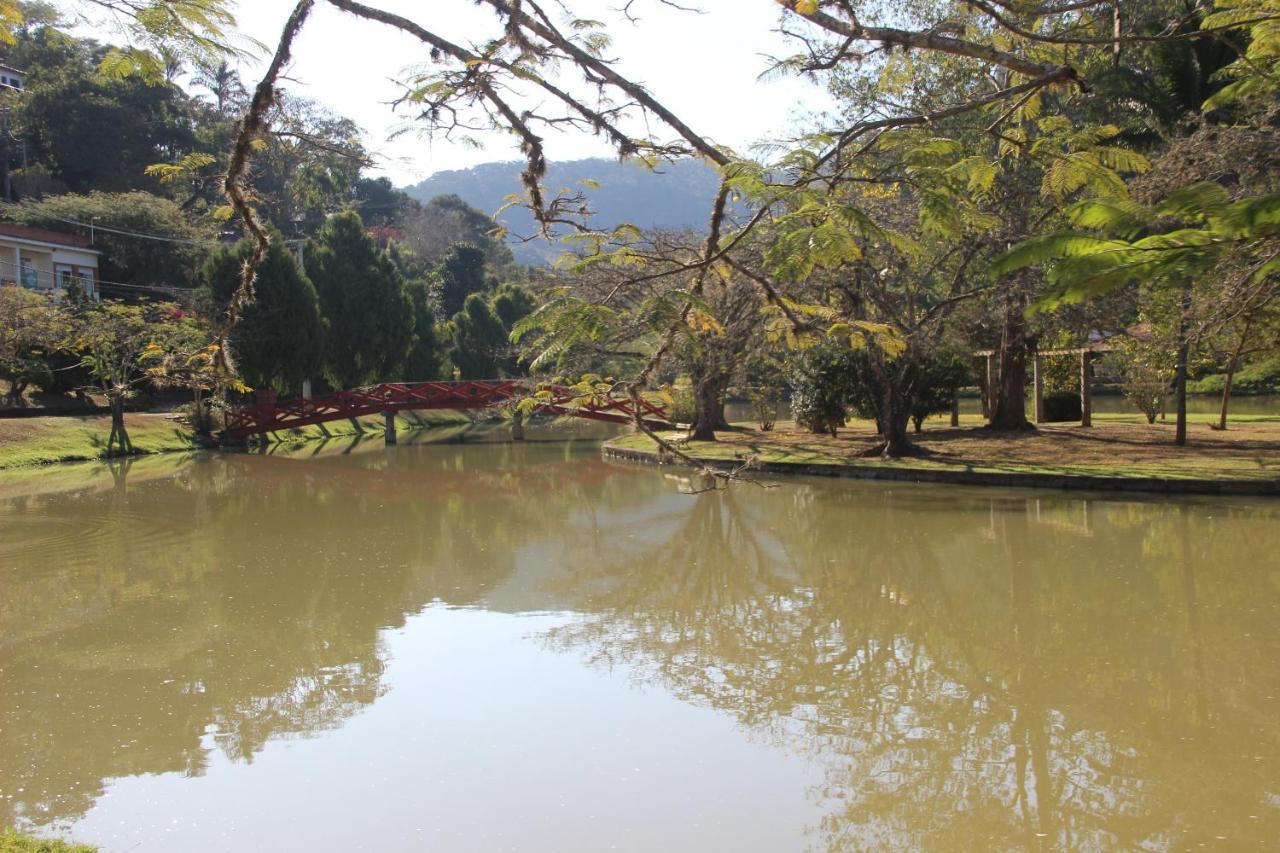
[(1201, 231), (184, 169), (1255, 74), (10, 19)]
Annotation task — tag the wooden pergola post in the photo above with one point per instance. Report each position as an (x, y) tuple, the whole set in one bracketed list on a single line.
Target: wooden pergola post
[(1039, 387), (1086, 391)]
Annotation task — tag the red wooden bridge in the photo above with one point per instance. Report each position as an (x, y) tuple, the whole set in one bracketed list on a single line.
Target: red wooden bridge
[(268, 414)]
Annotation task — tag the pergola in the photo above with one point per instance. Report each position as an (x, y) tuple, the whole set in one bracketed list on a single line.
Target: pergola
[(1086, 354)]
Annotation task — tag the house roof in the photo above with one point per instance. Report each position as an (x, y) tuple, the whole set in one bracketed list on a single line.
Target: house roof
[(4, 67), (44, 235)]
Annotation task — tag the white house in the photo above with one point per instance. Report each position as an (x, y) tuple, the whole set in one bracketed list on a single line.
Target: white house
[(12, 77), (47, 261)]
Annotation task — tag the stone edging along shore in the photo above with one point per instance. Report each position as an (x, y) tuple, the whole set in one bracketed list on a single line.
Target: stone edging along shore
[(1029, 479)]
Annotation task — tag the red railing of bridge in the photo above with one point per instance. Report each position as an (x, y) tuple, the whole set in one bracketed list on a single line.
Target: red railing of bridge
[(268, 414)]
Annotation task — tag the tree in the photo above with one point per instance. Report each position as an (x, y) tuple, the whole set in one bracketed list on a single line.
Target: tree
[(1254, 330), (425, 356), (379, 203), (461, 273), (512, 303), (156, 35), (477, 340), (820, 378), (363, 299), (223, 84), (279, 341), (68, 103), (945, 373), (1008, 63), (1195, 233), (1145, 369), (432, 229), (309, 164), (31, 327), (125, 347)]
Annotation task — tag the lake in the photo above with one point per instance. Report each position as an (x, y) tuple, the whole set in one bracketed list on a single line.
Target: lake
[(487, 646)]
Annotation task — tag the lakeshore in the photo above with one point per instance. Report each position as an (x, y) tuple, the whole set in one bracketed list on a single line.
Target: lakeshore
[(35, 441), (1120, 452)]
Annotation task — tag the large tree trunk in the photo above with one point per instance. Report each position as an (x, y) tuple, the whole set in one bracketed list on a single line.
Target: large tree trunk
[(1010, 412), (897, 415), (708, 391)]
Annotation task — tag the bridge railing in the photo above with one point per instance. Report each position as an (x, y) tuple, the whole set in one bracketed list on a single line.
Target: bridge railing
[(269, 414)]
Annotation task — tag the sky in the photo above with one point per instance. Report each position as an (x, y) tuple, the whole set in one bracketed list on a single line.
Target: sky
[(702, 66)]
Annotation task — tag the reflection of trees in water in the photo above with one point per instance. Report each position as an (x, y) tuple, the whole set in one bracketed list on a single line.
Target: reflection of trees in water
[(242, 599), (973, 672)]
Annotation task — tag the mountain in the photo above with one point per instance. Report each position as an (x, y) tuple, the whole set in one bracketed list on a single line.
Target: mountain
[(679, 195)]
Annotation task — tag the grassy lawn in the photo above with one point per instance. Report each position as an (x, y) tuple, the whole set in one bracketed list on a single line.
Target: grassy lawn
[(11, 841), (25, 442), (1118, 445)]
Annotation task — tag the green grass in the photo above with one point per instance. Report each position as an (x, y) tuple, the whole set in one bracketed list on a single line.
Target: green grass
[(1119, 446), (12, 841), (37, 441), (28, 442)]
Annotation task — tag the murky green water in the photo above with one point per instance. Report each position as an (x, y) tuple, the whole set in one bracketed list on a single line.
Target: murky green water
[(486, 647)]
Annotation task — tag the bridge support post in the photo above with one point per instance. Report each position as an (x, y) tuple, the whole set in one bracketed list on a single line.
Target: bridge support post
[(390, 433), (517, 426)]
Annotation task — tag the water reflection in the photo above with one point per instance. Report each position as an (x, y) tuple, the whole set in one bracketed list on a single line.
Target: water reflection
[(965, 669), (974, 672)]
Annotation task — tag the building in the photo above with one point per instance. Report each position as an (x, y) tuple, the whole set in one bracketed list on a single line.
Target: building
[(12, 77), (47, 261)]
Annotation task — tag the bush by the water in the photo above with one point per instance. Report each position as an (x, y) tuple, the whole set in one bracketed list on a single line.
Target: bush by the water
[(1259, 377), (829, 379), (821, 380), (1062, 406)]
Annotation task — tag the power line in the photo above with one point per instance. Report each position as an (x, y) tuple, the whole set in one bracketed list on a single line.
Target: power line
[(96, 227), (43, 276)]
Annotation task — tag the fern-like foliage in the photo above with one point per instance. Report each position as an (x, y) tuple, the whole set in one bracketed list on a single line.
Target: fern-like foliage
[(1188, 235)]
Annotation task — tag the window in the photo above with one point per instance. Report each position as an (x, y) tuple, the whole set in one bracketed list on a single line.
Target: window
[(30, 278)]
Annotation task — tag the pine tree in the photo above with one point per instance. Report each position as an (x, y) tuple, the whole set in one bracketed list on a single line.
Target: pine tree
[(279, 341), (363, 299)]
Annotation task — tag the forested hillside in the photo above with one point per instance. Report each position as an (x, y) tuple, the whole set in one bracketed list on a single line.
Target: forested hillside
[(675, 196)]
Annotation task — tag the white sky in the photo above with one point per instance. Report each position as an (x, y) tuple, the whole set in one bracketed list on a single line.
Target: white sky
[(693, 63)]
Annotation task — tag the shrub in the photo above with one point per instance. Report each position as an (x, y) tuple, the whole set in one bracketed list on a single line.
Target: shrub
[(821, 379), (1062, 406), (765, 402), (1145, 370), (683, 408), (944, 374)]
